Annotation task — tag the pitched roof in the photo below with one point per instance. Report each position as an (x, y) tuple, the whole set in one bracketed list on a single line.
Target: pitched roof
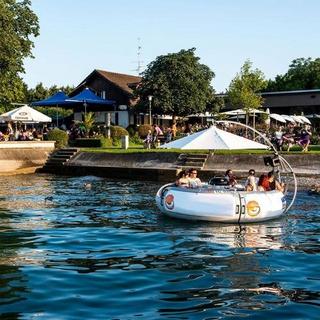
[(123, 81)]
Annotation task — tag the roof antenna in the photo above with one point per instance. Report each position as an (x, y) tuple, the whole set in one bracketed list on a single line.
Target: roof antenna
[(139, 61)]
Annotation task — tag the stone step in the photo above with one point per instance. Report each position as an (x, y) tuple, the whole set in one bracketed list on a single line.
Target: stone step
[(56, 160), (52, 164), (193, 164), (67, 153), (195, 159), (189, 167), (70, 149), (61, 156), (195, 155)]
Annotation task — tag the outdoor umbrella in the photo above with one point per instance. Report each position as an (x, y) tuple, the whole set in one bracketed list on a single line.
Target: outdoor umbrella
[(214, 139), (297, 119), (58, 98), (304, 119), (87, 97), (25, 114), (277, 117), (288, 118)]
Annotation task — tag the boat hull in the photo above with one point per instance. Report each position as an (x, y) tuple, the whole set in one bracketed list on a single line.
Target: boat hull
[(229, 206)]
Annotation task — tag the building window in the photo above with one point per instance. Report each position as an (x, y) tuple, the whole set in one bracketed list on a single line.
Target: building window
[(103, 95)]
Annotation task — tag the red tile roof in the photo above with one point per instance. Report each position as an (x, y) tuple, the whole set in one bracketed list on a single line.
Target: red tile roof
[(123, 81)]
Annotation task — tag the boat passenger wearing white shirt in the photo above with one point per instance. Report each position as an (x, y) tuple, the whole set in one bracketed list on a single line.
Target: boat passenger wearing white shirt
[(251, 183), (194, 181)]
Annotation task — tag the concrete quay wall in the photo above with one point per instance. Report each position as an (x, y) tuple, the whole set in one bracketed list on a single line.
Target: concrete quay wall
[(163, 167), (23, 156)]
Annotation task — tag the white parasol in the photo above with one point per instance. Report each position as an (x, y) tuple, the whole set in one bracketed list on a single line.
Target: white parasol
[(213, 139), (277, 117), (25, 114)]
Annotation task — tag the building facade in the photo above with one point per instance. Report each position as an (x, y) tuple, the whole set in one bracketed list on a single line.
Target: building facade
[(112, 86)]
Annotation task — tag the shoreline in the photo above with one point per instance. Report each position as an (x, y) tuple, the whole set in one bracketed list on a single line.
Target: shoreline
[(162, 167)]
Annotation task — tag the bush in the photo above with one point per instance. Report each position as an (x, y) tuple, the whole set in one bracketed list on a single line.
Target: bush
[(106, 142), (117, 132), (59, 136), (132, 129), (143, 130), (315, 140), (136, 139), (88, 143), (99, 142)]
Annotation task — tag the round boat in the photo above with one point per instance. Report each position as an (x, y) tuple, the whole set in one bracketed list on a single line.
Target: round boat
[(229, 204), (210, 204)]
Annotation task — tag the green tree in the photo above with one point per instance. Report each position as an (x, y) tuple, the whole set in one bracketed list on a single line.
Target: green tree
[(179, 84), (55, 112), (88, 122), (244, 88), (40, 92), (303, 74), (18, 24)]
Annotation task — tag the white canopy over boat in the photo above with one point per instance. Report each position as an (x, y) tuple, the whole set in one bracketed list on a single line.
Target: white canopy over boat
[(213, 139), (25, 114)]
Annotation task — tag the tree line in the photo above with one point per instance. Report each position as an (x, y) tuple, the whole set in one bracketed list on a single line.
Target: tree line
[(178, 82)]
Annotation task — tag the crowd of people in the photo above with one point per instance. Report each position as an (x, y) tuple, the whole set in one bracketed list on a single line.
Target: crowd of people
[(266, 182), (282, 137), (292, 135), (23, 134)]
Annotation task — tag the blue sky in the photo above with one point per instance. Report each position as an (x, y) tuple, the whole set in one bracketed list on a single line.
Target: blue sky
[(78, 36)]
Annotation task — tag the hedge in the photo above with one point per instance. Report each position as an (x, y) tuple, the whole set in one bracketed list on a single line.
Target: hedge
[(59, 136)]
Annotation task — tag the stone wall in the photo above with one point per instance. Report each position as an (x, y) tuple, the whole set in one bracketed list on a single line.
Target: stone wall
[(26, 155)]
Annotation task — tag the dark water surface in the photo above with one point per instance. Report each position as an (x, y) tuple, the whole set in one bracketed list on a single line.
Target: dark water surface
[(92, 248)]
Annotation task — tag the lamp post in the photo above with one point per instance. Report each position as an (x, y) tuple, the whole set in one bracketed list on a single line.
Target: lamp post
[(150, 116)]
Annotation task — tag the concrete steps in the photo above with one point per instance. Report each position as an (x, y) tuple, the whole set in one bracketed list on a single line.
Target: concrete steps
[(196, 161), (58, 159)]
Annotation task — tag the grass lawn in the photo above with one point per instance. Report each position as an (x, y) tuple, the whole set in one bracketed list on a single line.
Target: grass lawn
[(315, 149)]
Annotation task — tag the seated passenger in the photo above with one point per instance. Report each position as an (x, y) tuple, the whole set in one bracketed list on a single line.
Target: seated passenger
[(274, 184), (263, 183), (183, 179), (194, 181), (251, 182), (232, 181)]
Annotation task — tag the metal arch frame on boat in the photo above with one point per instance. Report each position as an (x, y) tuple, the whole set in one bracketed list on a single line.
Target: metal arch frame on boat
[(276, 153)]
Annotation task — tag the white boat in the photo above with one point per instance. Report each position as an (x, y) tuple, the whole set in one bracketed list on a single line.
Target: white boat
[(228, 205), (223, 203)]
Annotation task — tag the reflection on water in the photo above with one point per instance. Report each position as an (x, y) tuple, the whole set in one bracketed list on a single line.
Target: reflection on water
[(86, 247)]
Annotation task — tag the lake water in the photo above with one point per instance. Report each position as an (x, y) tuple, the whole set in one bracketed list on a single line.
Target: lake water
[(92, 248)]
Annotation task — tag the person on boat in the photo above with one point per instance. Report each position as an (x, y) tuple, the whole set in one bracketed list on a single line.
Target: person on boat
[(232, 181), (268, 182), (182, 179), (274, 184), (251, 182), (194, 181), (263, 183)]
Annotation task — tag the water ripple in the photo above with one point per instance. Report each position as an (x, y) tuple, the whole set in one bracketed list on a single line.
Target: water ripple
[(87, 247)]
